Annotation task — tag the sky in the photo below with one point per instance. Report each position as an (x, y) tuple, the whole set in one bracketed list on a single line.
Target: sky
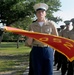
[(66, 11)]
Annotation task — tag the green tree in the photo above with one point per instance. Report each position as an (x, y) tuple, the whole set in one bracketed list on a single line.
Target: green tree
[(14, 10), (19, 13)]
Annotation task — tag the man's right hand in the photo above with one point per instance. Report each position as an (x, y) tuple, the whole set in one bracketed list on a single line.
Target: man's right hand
[(29, 42)]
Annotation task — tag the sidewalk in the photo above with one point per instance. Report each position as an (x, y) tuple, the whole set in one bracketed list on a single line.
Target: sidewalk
[(27, 70), (54, 71)]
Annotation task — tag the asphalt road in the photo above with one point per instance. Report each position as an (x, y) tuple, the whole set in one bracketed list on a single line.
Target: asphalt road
[(55, 72)]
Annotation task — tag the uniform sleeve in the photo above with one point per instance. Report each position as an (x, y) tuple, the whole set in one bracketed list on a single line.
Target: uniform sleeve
[(69, 34), (29, 40), (30, 28), (54, 29), (61, 33)]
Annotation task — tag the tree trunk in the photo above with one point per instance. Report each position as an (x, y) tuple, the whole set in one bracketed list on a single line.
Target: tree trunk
[(18, 42), (1, 36)]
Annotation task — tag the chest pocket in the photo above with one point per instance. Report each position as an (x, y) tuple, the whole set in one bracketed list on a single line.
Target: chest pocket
[(47, 29)]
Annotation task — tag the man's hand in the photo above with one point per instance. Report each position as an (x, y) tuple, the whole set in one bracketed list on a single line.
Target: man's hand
[(29, 41)]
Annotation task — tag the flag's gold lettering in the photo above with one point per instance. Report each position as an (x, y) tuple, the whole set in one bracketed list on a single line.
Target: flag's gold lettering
[(57, 40), (43, 39), (68, 45)]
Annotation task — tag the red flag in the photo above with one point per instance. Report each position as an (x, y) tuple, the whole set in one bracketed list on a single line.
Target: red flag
[(60, 44)]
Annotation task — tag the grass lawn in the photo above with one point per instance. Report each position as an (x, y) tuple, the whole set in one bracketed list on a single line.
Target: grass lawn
[(13, 58)]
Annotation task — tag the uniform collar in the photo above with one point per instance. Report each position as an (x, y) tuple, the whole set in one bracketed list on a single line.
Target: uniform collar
[(45, 22)]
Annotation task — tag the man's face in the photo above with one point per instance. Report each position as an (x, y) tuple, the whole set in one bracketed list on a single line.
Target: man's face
[(40, 14)]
